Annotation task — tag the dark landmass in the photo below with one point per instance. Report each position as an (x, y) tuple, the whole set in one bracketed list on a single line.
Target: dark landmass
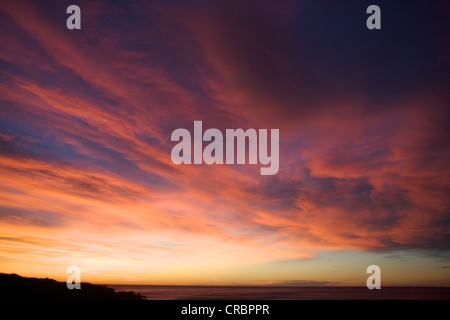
[(15, 287)]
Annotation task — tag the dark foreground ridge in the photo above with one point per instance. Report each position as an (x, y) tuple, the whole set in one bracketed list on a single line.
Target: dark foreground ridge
[(13, 286)]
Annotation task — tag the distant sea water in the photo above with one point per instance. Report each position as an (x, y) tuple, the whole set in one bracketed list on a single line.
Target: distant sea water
[(285, 293)]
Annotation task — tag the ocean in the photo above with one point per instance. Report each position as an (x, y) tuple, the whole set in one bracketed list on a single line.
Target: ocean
[(285, 293)]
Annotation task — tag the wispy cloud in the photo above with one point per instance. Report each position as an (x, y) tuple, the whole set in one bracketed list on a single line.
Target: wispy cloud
[(86, 117)]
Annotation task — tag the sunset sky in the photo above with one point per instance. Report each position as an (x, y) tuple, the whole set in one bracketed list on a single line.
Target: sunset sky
[(86, 117)]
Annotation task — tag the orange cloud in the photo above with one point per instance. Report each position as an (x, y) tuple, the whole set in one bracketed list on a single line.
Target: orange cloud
[(85, 170)]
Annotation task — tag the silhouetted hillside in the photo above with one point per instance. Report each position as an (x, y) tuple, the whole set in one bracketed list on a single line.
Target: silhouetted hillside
[(13, 286)]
